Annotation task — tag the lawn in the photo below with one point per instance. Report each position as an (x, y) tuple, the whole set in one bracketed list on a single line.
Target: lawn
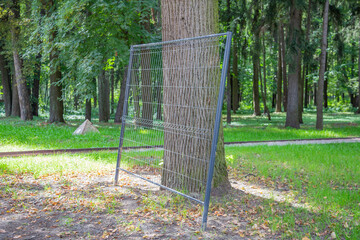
[(17, 135)]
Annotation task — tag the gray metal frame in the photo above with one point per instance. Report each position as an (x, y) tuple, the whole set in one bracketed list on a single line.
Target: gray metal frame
[(210, 173)]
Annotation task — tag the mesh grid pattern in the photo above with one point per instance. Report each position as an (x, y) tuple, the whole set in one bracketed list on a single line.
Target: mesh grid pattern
[(172, 91)]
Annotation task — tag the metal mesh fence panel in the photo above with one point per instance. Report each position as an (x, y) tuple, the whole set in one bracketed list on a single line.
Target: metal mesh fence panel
[(172, 113)]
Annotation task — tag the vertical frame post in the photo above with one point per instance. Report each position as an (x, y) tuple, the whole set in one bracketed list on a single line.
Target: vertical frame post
[(127, 89), (216, 129)]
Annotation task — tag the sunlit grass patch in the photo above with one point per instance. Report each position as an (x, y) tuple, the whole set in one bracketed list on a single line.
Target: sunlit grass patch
[(327, 177), (58, 164)]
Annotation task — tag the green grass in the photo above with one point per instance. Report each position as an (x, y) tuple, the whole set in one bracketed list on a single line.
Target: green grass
[(17, 135), (39, 166), (327, 177)]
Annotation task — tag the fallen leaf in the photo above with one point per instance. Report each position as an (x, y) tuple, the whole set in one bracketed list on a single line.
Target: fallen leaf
[(305, 238), (333, 235), (2, 231)]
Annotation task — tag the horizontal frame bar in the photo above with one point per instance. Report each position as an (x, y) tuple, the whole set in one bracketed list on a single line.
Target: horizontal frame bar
[(179, 40)]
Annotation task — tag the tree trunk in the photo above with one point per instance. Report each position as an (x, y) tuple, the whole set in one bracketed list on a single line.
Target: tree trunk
[(95, 92), (358, 111), (235, 81), (103, 94), (228, 98), (292, 113), (56, 101), (120, 105), (88, 109), (273, 101), (326, 84), (36, 86), (301, 98), (307, 54), (320, 92), (307, 95), (112, 86), (6, 83), (181, 20), (315, 94), (279, 77), (263, 83), (37, 71), (256, 60), (15, 105), (283, 67), (76, 99), (24, 98)]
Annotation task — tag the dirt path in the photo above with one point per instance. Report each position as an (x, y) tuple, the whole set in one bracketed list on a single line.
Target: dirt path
[(295, 142)]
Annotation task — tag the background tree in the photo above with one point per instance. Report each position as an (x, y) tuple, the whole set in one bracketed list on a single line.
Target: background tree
[(320, 92), (294, 52), (24, 98)]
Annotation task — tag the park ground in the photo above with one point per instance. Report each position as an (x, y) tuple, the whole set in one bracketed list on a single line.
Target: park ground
[(72, 196)]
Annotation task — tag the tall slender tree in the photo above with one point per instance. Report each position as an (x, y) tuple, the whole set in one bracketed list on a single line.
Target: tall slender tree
[(103, 96), (56, 110), (320, 92), (24, 98), (284, 67), (292, 113), (279, 75), (358, 111), (256, 27), (6, 81)]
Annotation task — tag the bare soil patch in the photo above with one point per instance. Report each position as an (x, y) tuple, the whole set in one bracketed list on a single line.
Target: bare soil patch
[(89, 206)]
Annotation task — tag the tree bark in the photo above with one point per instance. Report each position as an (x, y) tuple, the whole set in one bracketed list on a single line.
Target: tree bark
[(6, 82), (103, 95), (320, 92), (56, 101), (358, 111), (279, 76), (235, 81), (326, 83), (307, 95), (256, 59), (283, 67), (228, 98), (292, 113), (37, 71), (95, 92), (307, 54), (183, 19), (120, 105), (36, 86), (88, 109), (24, 98), (15, 105), (263, 82), (112, 89)]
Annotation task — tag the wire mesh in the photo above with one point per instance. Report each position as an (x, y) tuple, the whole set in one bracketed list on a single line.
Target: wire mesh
[(171, 102)]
